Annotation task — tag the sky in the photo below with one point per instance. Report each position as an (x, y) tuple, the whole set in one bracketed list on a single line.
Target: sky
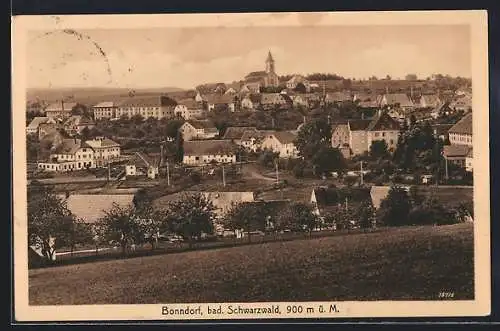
[(186, 57)]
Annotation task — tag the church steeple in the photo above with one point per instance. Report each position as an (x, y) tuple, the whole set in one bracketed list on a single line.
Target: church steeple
[(269, 63)]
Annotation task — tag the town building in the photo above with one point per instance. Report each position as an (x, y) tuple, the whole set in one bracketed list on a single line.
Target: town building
[(273, 100), (60, 109), (462, 103), (281, 142), (399, 100), (251, 101), (296, 80), (201, 152), (198, 129), (461, 132), (148, 107), (189, 109), (429, 101), (141, 164), (69, 155), (220, 102), (106, 109), (105, 150), (235, 133), (359, 135), (75, 124), (35, 123), (265, 78), (338, 97)]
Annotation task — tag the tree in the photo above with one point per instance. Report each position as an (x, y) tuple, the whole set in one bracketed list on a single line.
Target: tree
[(378, 149), (388, 77), (267, 158), (172, 128), (411, 77), (299, 217), (300, 88), (120, 224), (191, 216), (48, 218), (312, 136), (395, 208), (246, 216), (327, 159), (365, 214), (76, 232), (85, 134)]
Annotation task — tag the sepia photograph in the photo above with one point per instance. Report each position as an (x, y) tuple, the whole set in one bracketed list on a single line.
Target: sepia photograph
[(258, 165)]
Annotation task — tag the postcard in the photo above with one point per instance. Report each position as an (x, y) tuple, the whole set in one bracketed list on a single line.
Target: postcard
[(251, 166)]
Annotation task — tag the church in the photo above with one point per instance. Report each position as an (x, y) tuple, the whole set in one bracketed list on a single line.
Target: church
[(265, 78)]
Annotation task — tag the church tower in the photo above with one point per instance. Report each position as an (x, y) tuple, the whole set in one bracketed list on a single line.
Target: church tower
[(269, 63)]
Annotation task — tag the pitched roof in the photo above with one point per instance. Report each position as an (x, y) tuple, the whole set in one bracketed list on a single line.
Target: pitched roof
[(143, 160), (382, 123), (338, 96), (141, 102), (78, 120), (209, 147), (102, 142), (358, 125), (92, 207), (201, 124), (249, 134), (256, 74), (271, 98), (464, 126), (398, 98), (190, 103), (36, 121), (68, 146), (106, 104), (457, 150), (236, 132), (254, 97), (219, 99), (429, 99), (58, 106), (378, 194), (284, 137), (297, 79)]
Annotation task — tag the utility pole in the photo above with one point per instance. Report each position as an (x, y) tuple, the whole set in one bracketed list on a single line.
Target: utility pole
[(361, 166), (168, 174), (346, 205), (109, 173), (223, 177), (446, 168), (277, 172)]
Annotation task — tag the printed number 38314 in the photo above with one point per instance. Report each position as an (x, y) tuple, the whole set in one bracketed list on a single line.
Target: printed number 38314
[(446, 295)]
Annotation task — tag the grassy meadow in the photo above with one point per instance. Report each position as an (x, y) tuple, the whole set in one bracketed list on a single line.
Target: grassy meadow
[(397, 264)]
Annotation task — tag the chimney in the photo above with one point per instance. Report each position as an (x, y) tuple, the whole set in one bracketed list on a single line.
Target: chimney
[(62, 104)]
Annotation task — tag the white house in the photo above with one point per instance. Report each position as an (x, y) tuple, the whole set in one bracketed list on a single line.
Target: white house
[(75, 124), (35, 123), (142, 165), (148, 107), (189, 109), (198, 129), (295, 80), (199, 152), (461, 132), (280, 142)]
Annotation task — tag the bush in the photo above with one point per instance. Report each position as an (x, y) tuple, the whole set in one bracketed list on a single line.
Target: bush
[(195, 177), (431, 212)]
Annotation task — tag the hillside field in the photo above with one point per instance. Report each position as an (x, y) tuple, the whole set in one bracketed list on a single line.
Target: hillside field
[(397, 264)]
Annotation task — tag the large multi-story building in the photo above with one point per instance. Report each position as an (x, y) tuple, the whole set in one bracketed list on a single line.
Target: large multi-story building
[(69, 155), (106, 109), (60, 109), (460, 150), (105, 150), (148, 107)]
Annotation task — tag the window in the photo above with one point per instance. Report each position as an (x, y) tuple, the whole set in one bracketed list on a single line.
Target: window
[(392, 142), (383, 134), (197, 158)]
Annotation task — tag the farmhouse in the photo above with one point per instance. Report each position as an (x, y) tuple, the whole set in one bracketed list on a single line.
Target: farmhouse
[(198, 129), (429, 101), (35, 123), (298, 79), (199, 152), (460, 155), (220, 102), (189, 109), (252, 140), (400, 100), (281, 142), (75, 124), (141, 164), (462, 103), (461, 132), (235, 133), (273, 100), (92, 207), (251, 101), (338, 97)]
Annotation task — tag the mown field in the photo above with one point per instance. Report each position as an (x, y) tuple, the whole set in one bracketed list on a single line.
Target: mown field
[(397, 264)]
